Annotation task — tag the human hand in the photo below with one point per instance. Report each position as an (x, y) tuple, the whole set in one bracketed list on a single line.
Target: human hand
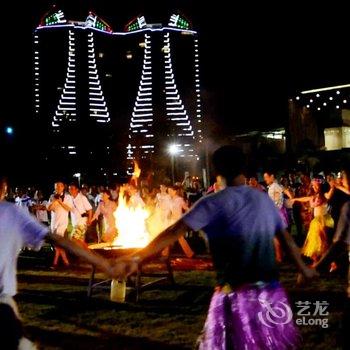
[(123, 267)]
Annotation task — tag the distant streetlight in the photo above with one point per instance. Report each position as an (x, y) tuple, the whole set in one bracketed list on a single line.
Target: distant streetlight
[(9, 130), (78, 176), (173, 150)]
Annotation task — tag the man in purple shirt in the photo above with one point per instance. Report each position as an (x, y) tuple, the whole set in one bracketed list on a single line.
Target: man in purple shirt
[(240, 223)]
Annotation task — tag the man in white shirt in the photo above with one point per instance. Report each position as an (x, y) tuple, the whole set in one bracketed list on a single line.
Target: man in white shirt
[(275, 191), (81, 213), (60, 204)]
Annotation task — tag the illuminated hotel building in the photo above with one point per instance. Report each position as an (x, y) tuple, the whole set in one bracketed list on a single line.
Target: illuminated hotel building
[(168, 118), (154, 96)]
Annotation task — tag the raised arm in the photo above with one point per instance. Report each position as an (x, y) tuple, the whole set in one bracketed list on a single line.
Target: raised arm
[(302, 199)]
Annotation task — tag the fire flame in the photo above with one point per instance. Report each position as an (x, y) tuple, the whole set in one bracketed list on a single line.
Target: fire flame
[(131, 225), (136, 174), (131, 218)]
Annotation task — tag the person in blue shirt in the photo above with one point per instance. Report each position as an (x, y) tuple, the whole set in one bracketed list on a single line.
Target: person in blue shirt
[(249, 309)]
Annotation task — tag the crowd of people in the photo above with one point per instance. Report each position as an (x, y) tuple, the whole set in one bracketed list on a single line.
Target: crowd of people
[(18, 229), (86, 214), (247, 224), (242, 225), (309, 206), (312, 205)]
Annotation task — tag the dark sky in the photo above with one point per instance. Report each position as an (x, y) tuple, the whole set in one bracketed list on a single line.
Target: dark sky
[(252, 56)]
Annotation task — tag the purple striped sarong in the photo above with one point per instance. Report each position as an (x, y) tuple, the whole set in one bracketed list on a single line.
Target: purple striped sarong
[(251, 317)]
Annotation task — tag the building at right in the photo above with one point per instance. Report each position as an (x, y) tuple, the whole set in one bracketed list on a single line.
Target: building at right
[(320, 119)]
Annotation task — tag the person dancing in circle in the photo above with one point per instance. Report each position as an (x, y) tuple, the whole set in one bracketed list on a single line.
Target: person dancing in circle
[(240, 223), (315, 244)]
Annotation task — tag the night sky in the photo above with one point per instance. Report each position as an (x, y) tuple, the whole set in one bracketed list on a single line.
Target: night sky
[(253, 57)]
